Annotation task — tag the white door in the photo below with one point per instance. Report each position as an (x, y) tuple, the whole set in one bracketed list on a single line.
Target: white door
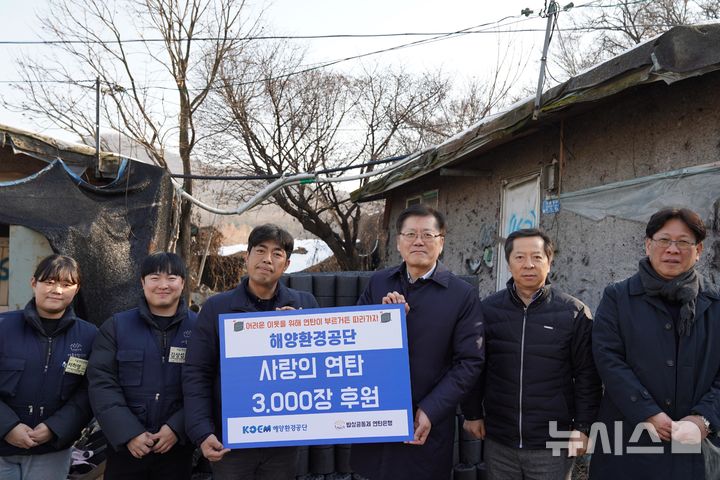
[(520, 208)]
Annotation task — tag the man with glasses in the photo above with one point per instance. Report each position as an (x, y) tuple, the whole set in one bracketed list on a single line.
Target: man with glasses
[(445, 345), (540, 370), (655, 341), (44, 353), (268, 256)]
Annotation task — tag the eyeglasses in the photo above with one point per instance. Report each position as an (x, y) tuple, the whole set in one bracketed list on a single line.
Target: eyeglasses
[(424, 236), (680, 244)]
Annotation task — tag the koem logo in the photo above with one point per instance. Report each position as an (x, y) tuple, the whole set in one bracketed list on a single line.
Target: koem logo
[(256, 429)]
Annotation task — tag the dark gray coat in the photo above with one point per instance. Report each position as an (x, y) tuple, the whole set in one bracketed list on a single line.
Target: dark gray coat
[(644, 373), (444, 328)]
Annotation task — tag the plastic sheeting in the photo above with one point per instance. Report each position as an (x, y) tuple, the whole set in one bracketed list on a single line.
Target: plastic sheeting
[(108, 229), (697, 188)]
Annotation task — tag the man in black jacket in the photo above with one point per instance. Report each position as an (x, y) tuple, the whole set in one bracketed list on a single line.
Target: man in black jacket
[(44, 352), (135, 378), (269, 250), (540, 376)]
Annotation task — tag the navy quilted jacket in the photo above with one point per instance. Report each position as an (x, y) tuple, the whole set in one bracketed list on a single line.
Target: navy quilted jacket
[(539, 368)]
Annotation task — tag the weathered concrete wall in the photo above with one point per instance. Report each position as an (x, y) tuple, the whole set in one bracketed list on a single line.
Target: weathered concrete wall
[(648, 130), (27, 248)]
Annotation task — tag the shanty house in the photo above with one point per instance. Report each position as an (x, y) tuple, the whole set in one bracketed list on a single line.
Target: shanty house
[(609, 147), (106, 212)]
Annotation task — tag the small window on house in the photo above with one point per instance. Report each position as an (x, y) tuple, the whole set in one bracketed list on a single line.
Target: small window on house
[(429, 198)]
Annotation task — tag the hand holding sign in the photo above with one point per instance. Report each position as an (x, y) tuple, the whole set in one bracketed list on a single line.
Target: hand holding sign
[(212, 449), (395, 297), (422, 428)]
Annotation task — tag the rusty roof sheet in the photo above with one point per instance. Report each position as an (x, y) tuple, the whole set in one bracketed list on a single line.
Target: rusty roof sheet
[(48, 149)]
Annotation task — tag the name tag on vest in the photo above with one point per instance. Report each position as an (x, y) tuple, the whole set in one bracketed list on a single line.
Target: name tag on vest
[(177, 355), (76, 366)]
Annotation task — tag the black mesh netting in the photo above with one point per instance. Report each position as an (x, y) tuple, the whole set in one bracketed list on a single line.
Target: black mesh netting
[(108, 229)]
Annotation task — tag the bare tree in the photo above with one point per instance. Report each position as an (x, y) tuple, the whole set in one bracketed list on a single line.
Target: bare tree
[(476, 99), (152, 88), (292, 119), (609, 30), (710, 9), (571, 57)]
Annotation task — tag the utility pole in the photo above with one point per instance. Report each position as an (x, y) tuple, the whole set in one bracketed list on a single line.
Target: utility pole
[(97, 127), (551, 13)]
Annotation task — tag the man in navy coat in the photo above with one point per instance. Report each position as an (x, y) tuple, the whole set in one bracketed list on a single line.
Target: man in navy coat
[(445, 346), (269, 249), (655, 341)]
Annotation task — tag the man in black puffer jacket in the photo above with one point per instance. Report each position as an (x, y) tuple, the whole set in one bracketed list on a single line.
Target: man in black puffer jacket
[(135, 378), (539, 370)]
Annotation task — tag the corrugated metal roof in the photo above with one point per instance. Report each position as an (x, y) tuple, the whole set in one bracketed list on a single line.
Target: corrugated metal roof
[(680, 53)]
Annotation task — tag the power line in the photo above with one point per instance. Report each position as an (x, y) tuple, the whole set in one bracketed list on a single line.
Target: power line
[(488, 28), (276, 176), (212, 39), (69, 82), (485, 28), (269, 37), (333, 62), (290, 180), (356, 57), (322, 65), (256, 37), (330, 36), (337, 61), (613, 5)]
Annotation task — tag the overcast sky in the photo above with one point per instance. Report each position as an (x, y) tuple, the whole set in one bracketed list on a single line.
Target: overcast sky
[(472, 55)]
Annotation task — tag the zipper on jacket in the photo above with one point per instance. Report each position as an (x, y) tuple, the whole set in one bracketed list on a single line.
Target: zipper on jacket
[(49, 353), (522, 365), (155, 418), (163, 346)]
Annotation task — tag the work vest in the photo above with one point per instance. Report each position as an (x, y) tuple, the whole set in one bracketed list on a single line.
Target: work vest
[(35, 380), (149, 369)]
